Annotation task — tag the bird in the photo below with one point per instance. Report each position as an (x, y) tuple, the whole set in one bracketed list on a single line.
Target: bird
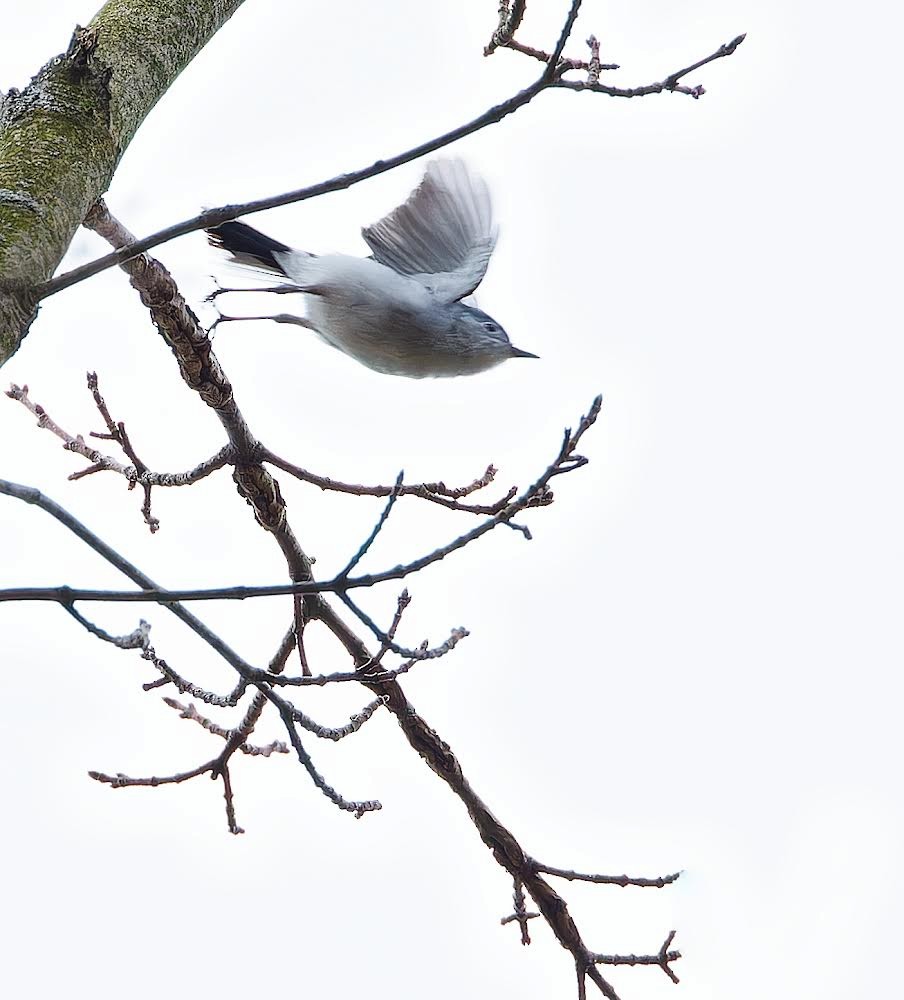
[(407, 309)]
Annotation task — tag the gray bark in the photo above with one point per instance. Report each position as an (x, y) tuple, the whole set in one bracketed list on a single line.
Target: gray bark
[(62, 137)]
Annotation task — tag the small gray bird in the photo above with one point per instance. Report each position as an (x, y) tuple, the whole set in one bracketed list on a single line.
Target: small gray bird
[(399, 311)]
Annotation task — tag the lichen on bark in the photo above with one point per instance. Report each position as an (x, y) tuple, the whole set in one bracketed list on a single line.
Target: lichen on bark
[(62, 137)]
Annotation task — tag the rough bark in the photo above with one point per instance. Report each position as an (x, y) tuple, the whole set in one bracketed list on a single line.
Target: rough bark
[(62, 137)]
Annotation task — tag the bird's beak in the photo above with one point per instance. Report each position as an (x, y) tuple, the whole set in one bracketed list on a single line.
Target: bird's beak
[(518, 353)]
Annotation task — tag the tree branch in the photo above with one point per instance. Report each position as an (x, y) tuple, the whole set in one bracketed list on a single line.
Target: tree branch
[(213, 217), (566, 461), (62, 137)]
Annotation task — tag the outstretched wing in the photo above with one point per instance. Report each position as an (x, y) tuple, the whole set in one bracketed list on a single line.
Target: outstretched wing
[(444, 233)]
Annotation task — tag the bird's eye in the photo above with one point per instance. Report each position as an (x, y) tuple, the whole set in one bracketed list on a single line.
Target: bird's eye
[(490, 327)]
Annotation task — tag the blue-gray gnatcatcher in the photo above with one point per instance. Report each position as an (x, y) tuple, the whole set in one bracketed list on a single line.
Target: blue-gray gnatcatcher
[(400, 311)]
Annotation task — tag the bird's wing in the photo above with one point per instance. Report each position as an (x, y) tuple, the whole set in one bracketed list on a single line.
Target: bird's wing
[(443, 235)]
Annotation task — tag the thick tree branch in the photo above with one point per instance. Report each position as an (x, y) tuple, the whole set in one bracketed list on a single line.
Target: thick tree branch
[(62, 137)]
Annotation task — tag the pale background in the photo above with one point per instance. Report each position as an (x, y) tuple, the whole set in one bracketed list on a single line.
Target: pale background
[(696, 663)]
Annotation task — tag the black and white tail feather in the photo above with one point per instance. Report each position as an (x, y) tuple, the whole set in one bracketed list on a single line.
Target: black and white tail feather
[(249, 246)]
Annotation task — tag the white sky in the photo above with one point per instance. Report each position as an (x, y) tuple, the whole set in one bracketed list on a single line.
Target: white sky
[(696, 662)]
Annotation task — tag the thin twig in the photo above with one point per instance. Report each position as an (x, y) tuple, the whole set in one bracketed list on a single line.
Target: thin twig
[(437, 492), (422, 653), (594, 66), (377, 528), (552, 66), (116, 431), (355, 722), (620, 880), (357, 808), (662, 958), (565, 64), (520, 913), (191, 713), (669, 84), (138, 639), (401, 604), (104, 463), (510, 17)]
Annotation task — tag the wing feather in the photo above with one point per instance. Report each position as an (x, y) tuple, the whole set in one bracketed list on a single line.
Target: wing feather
[(443, 235)]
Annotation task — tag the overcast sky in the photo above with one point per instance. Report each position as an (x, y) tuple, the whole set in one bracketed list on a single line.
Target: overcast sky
[(695, 664)]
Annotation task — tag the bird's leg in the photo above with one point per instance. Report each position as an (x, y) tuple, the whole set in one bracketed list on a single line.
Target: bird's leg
[(278, 318), (283, 289)]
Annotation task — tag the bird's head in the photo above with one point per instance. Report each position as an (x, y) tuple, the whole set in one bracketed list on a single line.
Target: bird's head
[(485, 335)]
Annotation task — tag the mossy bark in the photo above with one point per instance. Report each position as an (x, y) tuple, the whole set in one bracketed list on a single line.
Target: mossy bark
[(62, 137)]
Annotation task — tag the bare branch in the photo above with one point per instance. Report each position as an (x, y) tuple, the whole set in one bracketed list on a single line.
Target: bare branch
[(210, 218), (299, 621), (510, 16), (124, 781), (184, 686), (565, 64), (386, 639), (566, 461), (139, 639), (191, 713), (281, 656), (594, 66), (520, 913), (192, 350), (103, 463), (552, 65), (437, 492), (286, 714), (402, 603), (662, 958), (116, 431), (670, 83), (378, 527), (230, 805), (356, 721), (621, 880)]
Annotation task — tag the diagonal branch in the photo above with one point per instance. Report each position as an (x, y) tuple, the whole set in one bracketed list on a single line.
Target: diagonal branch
[(213, 217), (378, 527), (552, 64)]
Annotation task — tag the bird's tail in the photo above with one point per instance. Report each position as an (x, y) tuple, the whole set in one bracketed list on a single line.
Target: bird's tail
[(248, 246)]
